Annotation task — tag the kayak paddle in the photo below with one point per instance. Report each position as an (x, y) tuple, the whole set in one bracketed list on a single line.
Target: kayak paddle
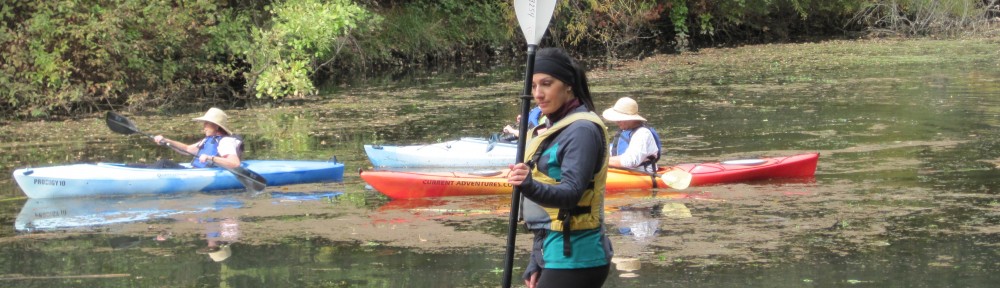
[(533, 16), (675, 178), (251, 180), (494, 138)]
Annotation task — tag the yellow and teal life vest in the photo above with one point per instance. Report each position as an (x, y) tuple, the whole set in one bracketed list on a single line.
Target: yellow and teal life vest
[(588, 213)]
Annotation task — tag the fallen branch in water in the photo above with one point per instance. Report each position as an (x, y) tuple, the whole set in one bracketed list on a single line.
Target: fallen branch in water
[(14, 199), (92, 276)]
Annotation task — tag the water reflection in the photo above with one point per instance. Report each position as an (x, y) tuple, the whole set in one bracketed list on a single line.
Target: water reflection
[(47, 214), (640, 224), (220, 234), (68, 213)]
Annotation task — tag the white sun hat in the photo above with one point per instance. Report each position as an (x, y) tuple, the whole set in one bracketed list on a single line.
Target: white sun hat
[(222, 254), (624, 110), (215, 116)]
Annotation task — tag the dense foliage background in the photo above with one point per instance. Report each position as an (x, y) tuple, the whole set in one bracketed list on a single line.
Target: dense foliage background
[(73, 56)]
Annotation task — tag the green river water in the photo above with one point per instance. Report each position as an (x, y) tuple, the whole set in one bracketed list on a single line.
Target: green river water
[(905, 194)]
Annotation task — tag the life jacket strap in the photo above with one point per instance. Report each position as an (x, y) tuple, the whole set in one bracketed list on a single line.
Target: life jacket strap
[(565, 215)]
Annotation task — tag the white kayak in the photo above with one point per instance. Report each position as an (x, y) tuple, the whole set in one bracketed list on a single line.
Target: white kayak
[(465, 152)]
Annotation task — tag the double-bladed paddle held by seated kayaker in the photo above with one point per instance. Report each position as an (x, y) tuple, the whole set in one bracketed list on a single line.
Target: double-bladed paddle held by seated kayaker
[(220, 148)]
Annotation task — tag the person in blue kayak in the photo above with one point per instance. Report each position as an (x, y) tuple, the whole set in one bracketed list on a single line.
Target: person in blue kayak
[(636, 145), (220, 147), (563, 179)]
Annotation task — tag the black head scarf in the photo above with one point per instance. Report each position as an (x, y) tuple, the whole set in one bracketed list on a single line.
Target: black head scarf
[(557, 63)]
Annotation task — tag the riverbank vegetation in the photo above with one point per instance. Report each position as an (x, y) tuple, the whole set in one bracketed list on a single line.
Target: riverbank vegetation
[(70, 57)]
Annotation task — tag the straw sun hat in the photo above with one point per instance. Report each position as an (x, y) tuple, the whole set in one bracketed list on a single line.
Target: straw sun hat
[(624, 110), (215, 116), (217, 253), (221, 254)]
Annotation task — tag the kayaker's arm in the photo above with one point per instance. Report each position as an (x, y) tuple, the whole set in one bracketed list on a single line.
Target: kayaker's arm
[(227, 161), (160, 140), (615, 161)]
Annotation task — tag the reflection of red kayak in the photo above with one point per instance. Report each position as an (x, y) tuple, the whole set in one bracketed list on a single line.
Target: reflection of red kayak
[(423, 209), (499, 203), (401, 185)]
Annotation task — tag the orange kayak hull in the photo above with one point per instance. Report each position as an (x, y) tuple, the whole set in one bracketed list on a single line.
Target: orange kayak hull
[(406, 185)]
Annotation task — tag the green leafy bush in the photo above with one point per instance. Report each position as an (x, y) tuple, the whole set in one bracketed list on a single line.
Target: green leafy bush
[(80, 54), (65, 57), (303, 36), (422, 30)]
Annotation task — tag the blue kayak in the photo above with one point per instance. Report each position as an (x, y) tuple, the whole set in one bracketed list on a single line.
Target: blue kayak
[(111, 179)]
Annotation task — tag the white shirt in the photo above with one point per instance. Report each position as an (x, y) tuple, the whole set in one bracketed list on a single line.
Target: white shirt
[(640, 147)]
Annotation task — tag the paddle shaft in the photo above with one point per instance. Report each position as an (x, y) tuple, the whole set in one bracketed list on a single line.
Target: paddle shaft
[(175, 148), (636, 170), (515, 198), (643, 171)]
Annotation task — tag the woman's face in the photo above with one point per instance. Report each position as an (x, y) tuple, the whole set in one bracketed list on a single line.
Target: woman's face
[(210, 128), (550, 93)]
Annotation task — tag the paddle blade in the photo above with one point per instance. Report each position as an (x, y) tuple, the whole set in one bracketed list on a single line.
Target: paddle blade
[(492, 142), (120, 124), (677, 179), (534, 16), (251, 180)]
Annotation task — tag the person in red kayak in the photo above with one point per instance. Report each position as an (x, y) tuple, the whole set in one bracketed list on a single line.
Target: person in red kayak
[(563, 179), (636, 145), (220, 147)]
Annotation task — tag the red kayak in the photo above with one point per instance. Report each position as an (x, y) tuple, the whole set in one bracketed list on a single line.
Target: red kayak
[(404, 185)]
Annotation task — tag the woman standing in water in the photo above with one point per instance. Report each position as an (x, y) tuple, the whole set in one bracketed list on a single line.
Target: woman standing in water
[(563, 179)]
